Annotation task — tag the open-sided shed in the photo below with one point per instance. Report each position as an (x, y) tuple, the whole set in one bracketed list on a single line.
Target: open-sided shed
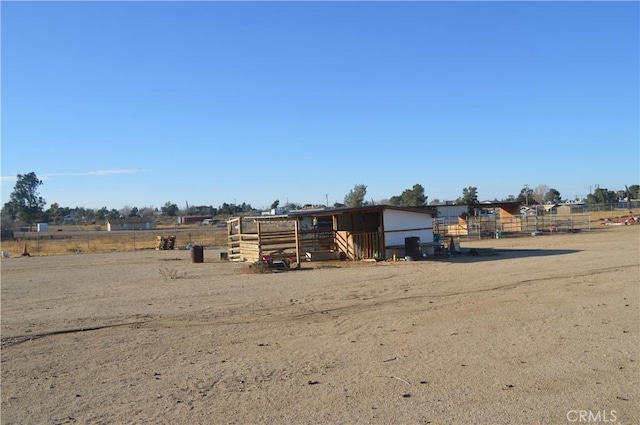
[(371, 232)]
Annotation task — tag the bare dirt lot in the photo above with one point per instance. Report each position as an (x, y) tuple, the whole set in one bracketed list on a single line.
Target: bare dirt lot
[(540, 330)]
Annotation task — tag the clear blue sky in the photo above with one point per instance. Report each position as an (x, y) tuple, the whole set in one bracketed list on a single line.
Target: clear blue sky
[(141, 103)]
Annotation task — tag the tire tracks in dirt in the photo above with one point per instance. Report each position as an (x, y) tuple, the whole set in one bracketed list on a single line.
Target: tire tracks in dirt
[(19, 339), (283, 313)]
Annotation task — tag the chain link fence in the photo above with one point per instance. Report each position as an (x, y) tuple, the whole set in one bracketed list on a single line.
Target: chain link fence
[(535, 221), (634, 204), (484, 227)]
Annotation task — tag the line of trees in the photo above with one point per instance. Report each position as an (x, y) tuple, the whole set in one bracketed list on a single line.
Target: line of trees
[(542, 194), (27, 206)]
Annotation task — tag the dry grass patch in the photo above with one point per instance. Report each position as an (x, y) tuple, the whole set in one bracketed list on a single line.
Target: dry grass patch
[(77, 245), (171, 273), (258, 267)]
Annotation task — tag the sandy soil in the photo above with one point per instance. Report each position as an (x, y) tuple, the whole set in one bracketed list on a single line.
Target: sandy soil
[(545, 331)]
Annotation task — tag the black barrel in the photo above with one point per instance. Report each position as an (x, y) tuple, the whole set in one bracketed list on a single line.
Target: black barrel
[(197, 254), (412, 249)]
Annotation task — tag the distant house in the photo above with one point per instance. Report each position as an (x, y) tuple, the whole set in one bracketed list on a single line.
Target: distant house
[(129, 223), (572, 209)]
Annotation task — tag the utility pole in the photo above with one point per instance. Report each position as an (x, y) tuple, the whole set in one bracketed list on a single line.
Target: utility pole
[(327, 196)]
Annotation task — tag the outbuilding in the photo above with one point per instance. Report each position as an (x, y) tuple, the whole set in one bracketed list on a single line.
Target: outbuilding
[(370, 232)]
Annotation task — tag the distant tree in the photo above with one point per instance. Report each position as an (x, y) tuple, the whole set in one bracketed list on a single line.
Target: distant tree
[(602, 196), (133, 212), (146, 212), (65, 212), (199, 209), (413, 197), (90, 216), (275, 204), (338, 205), (246, 207), (81, 212), (469, 198), (356, 196), (552, 196), (510, 198), (25, 203), (225, 209), (102, 214), (53, 213), (526, 196), (169, 209), (114, 214), (233, 209), (539, 193), (630, 193), (202, 210), (5, 219), (435, 202), (292, 206), (124, 211)]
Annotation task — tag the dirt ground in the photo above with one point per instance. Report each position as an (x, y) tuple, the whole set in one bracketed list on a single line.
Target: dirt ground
[(538, 330)]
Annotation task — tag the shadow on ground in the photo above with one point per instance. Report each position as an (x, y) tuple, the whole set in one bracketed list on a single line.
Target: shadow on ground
[(475, 255)]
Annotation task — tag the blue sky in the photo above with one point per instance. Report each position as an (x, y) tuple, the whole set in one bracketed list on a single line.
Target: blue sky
[(141, 103)]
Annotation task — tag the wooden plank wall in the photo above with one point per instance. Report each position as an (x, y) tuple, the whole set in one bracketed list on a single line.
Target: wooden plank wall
[(250, 241)]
